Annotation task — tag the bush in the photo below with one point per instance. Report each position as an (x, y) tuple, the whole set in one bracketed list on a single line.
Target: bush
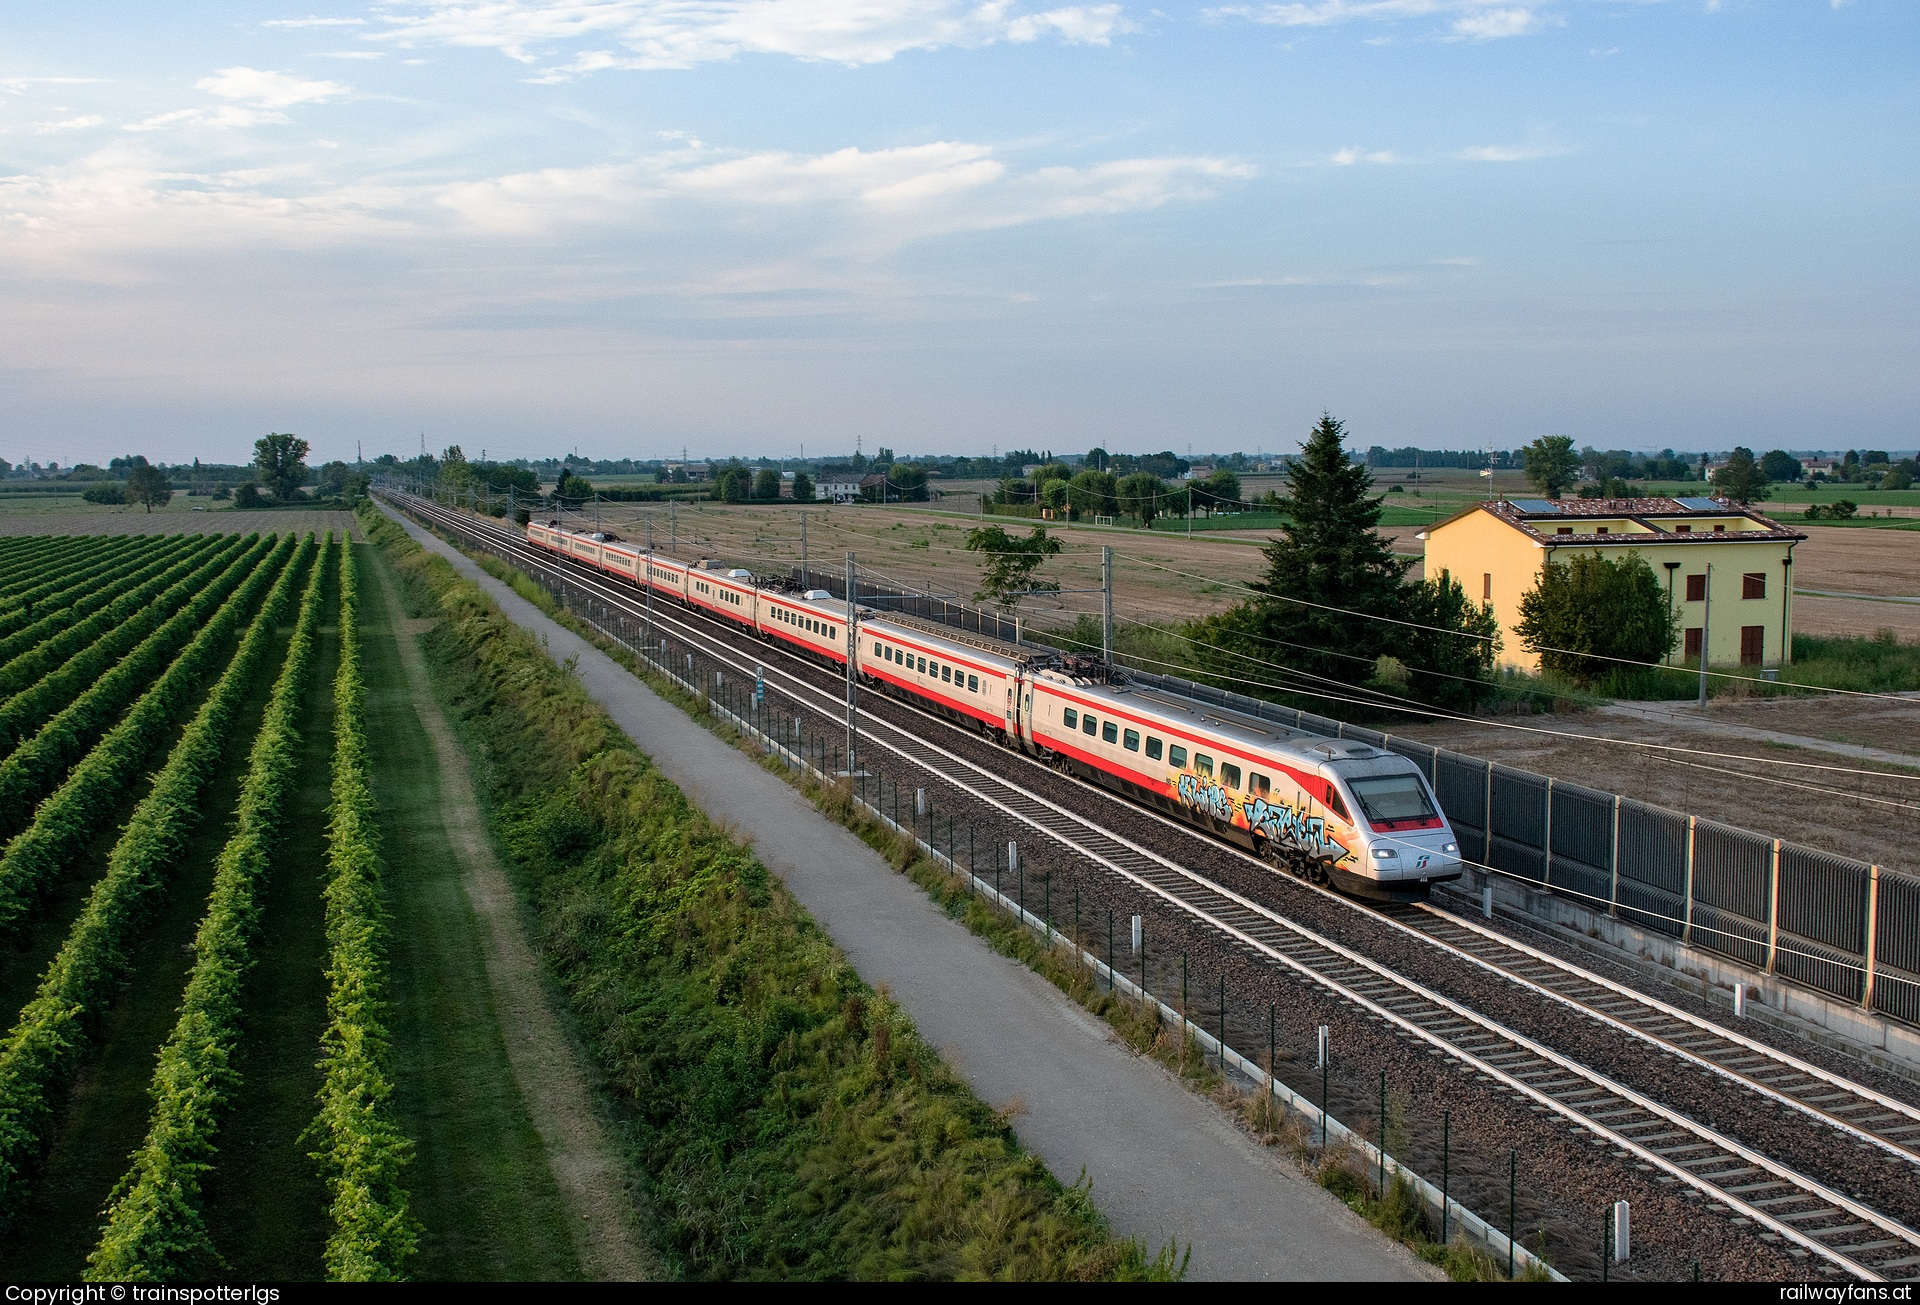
[(247, 496), (106, 494), (1841, 509), (1588, 615)]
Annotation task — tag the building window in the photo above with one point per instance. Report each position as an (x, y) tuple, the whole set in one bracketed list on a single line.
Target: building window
[(1683, 529), (1753, 584), (1564, 530), (1486, 587), (1697, 588), (1601, 530), (1753, 644), (1719, 527), (1691, 649)]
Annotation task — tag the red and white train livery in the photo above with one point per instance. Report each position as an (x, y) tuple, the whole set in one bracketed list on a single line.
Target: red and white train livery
[(1332, 810)]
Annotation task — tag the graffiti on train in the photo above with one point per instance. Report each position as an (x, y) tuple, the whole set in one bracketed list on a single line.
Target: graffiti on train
[(1203, 795), (1292, 827)]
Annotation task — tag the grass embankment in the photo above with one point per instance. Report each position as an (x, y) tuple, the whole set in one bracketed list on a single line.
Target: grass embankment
[(789, 1120)]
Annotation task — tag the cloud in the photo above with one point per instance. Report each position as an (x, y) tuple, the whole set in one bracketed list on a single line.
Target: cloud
[(315, 22), (68, 124), (658, 34), (19, 85), (1508, 153), (268, 90), (1481, 20), (834, 210), (891, 195), (220, 116), (1351, 155), (1493, 24)]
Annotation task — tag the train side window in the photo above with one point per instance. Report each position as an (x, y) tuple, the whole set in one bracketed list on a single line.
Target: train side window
[(1070, 718), (946, 674), (1153, 748), (1131, 741), (922, 667), (1088, 724), (833, 633), (1334, 804), (1110, 733), (1177, 755), (973, 684), (1259, 785), (1230, 776), (1203, 764)]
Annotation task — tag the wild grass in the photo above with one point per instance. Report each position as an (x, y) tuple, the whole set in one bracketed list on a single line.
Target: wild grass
[(789, 1120)]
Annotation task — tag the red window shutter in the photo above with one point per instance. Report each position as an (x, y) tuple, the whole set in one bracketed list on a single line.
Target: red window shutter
[(1753, 644), (1692, 647), (1753, 584), (1697, 588)]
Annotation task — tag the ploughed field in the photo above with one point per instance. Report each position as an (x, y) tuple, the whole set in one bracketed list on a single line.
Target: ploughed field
[(192, 1074)]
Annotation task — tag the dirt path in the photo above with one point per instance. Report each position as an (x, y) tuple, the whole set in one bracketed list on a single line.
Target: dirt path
[(584, 1160)]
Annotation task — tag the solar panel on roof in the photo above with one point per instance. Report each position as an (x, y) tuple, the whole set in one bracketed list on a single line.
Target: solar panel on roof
[(1536, 505), (1701, 505)]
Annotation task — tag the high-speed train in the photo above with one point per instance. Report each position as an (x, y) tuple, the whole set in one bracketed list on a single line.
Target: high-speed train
[(1334, 811)]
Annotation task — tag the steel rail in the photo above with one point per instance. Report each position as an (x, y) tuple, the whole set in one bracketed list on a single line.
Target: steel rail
[(1871, 1117), (1710, 1162)]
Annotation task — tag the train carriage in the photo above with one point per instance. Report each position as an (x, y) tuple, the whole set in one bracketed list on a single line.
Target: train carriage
[(972, 683), (1331, 810), (813, 620)]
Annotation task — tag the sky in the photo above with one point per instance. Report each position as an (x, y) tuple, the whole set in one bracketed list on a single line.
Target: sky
[(761, 226)]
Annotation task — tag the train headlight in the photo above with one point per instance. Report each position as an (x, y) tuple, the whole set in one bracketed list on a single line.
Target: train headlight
[(1384, 854), (1451, 849)]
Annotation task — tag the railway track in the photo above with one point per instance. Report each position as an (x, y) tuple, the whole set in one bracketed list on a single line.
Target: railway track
[(1791, 1206)]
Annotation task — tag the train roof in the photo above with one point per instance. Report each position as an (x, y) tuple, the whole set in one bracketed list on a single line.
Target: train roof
[(1355, 757), (1013, 652)]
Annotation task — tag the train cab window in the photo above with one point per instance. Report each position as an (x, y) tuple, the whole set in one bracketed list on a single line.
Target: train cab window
[(1131, 741), (1070, 718), (1259, 785), (1110, 733), (1230, 776), (1334, 804), (1177, 755), (1153, 748), (1203, 764), (973, 684), (1088, 724)]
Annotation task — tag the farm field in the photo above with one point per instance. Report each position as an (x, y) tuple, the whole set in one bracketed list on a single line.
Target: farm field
[(1163, 577), (274, 1007)]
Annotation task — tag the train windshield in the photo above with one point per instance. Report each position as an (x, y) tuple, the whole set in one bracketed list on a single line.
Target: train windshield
[(1393, 797)]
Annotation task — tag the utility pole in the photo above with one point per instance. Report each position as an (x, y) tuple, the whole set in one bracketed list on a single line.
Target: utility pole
[(803, 552), (1706, 635), (650, 639), (1106, 604), (673, 527), (853, 648)]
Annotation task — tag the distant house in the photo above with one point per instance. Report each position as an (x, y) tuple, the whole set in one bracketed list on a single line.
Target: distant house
[(1197, 473), (694, 471), (839, 488), (1695, 545)]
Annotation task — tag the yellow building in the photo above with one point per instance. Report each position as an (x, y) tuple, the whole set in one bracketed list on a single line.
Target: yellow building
[(1727, 569)]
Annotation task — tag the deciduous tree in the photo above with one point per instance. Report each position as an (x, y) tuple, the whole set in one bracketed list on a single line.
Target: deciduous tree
[(1741, 480), (1588, 615), (149, 486), (1551, 464), (281, 461), (1011, 562)]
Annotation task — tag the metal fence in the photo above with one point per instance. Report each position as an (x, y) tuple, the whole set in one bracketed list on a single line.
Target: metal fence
[(1839, 926)]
